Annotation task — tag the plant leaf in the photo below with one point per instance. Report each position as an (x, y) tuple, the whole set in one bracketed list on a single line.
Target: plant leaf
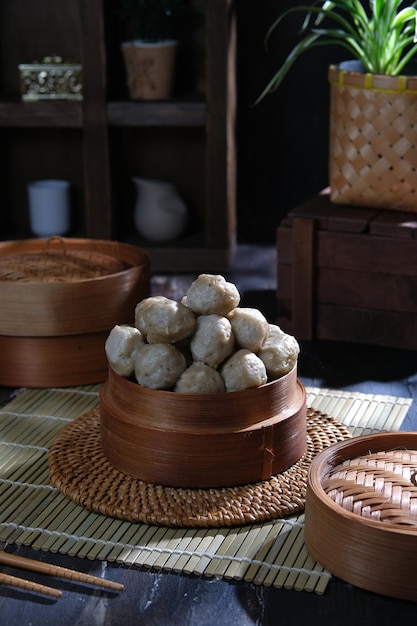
[(381, 36)]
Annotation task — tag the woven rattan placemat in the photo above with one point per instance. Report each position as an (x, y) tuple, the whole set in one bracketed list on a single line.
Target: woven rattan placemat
[(80, 470), (34, 513)]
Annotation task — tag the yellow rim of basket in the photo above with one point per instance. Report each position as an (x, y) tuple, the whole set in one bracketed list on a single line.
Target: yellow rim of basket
[(397, 84)]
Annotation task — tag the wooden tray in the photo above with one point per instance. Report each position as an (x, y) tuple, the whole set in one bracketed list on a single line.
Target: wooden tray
[(60, 297), (203, 440), (361, 512)]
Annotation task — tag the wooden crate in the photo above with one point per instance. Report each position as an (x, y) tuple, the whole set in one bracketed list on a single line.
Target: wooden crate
[(348, 273)]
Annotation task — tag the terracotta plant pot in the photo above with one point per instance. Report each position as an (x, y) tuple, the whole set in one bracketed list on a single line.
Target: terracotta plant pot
[(150, 68)]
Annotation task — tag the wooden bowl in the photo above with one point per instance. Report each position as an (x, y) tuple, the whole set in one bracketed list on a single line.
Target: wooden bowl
[(203, 440), (60, 299), (361, 512)]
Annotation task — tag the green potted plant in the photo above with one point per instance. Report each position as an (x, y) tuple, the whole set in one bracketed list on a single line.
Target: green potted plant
[(373, 103), (152, 29)]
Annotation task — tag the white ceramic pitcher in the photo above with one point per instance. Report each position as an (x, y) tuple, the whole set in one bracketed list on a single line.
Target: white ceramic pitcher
[(160, 212)]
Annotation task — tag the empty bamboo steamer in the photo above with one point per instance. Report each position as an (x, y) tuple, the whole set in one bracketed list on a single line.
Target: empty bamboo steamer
[(60, 297), (361, 512), (203, 440)]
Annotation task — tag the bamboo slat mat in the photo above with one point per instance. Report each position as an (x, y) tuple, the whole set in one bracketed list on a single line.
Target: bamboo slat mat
[(35, 514)]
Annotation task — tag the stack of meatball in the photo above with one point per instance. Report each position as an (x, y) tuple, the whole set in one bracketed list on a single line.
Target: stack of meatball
[(204, 344)]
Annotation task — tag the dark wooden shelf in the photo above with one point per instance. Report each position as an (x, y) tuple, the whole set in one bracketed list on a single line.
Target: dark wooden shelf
[(42, 114), (195, 260), (189, 140), (188, 253), (171, 113)]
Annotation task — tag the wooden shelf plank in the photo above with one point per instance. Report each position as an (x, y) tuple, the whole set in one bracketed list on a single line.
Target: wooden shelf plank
[(171, 113), (196, 260), (186, 254), (42, 114)]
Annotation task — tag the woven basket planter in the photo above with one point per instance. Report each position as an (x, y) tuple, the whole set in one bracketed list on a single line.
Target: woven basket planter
[(373, 139)]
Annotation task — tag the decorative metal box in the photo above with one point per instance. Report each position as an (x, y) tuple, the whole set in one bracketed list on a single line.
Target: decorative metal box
[(53, 78)]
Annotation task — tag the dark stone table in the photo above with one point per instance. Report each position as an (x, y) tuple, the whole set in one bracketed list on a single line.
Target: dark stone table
[(161, 599)]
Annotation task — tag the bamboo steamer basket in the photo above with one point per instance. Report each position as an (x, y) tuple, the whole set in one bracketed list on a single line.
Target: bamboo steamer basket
[(361, 512), (203, 440), (60, 297)]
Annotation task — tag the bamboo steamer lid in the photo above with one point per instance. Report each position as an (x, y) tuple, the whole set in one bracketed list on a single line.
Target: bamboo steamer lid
[(60, 297), (203, 440), (361, 512)]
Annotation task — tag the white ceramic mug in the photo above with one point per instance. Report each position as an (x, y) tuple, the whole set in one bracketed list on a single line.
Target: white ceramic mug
[(49, 207)]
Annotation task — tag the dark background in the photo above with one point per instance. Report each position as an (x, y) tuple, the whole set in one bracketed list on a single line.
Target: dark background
[(282, 142)]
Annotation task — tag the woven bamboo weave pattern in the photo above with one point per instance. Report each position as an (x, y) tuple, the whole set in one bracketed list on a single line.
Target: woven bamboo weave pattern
[(36, 514), (79, 469), (373, 140), (58, 266), (378, 486)]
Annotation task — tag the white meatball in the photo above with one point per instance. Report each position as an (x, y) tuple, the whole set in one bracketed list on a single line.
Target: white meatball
[(121, 348), (163, 320), (213, 340), (200, 378), (141, 308), (243, 370), (275, 332), (279, 352), (159, 365), (250, 327), (211, 293)]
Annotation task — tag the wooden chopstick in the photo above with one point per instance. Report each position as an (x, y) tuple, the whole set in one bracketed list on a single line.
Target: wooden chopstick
[(28, 585), (55, 570)]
